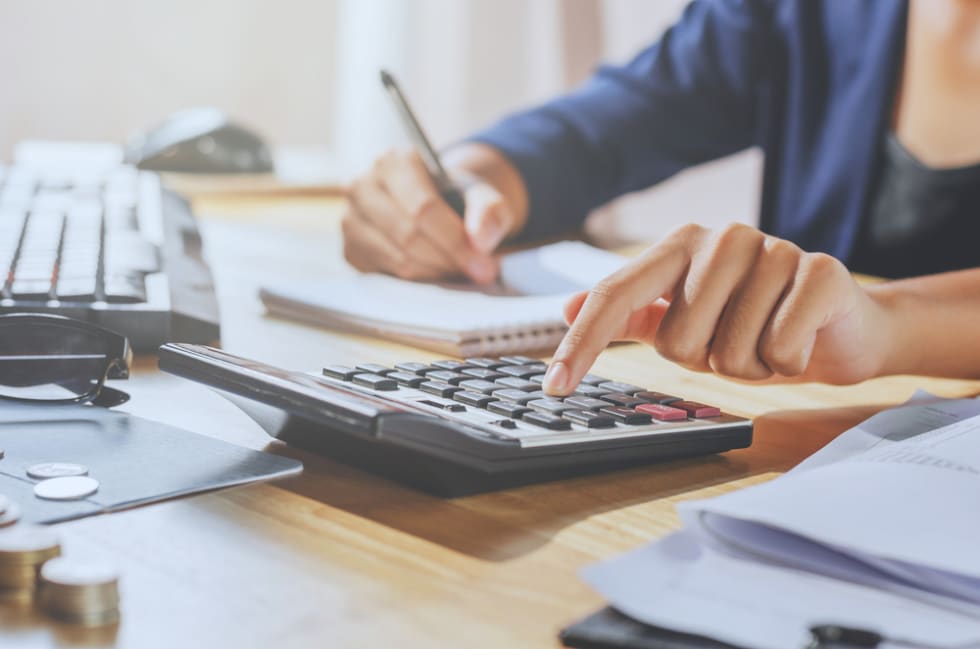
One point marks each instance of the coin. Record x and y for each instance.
(27, 542)
(47, 470)
(67, 571)
(79, 591)
(68, 488)
(10, 515)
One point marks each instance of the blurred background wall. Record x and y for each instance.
(304, 73)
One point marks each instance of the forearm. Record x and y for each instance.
(935, 324)
(494, 168)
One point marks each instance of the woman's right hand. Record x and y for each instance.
(396, 221)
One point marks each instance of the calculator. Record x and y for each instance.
(461, 426)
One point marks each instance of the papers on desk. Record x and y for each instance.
(877, 531)
(523, 313)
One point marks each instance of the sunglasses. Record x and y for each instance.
(54, 359)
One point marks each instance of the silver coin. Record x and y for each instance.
(68, 571)
(68, 488)
(10, 515)
(47, 470)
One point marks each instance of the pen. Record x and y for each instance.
(450, 192)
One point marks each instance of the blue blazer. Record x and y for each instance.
(811, 82)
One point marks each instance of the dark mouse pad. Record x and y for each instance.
(136, 461)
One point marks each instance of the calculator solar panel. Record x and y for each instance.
(454, 427)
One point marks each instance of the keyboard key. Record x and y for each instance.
(413, 368)
(626, 415)
(452, 365)
(518, 396)
(518, 360)
(520, 371)
(373, 368)
(662, 412)
(446, 375)
(486, 363)
(554, 406)
(482, 373)
(508, 408)
(545, 420)
(621, 399)
(376, 382)
(479, 385)
(697, 410)
(519, 383)
(440, 388)
(586, 403)
(589, 418)
(477, 399)
(625, 388)
(341, 372)
(585, 390)
(656, 397)
(407, 379)
(592, 379)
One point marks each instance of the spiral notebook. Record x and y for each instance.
(521, 313)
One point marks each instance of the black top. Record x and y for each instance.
(921, 220)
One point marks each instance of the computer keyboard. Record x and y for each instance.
(460, 426)
(110, 246)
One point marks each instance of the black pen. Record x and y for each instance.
(447, 188)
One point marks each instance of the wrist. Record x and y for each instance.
(903, 349)
(490, 166)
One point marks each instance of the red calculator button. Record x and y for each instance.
(661, 412)
(697, 410)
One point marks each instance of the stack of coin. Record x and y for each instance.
(79, 592)
(23, 549)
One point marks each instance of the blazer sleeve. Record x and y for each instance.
(688, 98)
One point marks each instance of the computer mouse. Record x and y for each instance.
(200, 141)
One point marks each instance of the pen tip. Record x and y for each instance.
(385, 77)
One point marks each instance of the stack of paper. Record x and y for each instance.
(878, 531)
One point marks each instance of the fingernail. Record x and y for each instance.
(480, 268)
(556, 379)
(490, 234)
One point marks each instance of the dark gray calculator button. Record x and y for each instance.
(586, 403)
(616, 386)
(509, 408)
(486, 363)
(451, 365)
(509, 424)
(520, 371)
(479, 385)
(589, 418)
(626, 415)
(376, 382)
(657, 397)
(620, 399)
(518, 396)
(477, 399)
(373, 368)
(553, 406)
(451, 407)
(440, 388)
(537, 378)
(518, 360)
(546, 420)
(585, 390)
(518, 383)
(447, 376)
(407, 379)
(592, 379)
(413, 368)
(341, 372)
(482, 373)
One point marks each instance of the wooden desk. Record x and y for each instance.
(339, 558)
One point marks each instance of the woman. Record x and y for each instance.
(869, 117)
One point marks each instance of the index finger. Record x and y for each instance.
(607, 307)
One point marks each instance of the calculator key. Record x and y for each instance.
(626, 415)
(518, 396)
(486, 363)
(376, 382)
(620, 399)
(585, 390)
(509, 408)
(451, 365)
(509, 424)
(440, 388)
(656, 397)
(413, 368)
(592, 379)
(518, 360)
(537, 378)
(589, 418)
(518, 383)
(482, 373)
(662, 412)
(446, 376)
(374, 368)
(697, 410)
(407, 379)
(554, 406)
(545, 420)
(451, 407)
(625, 388)
(341, 372)
(479, 385)
(477, 399)
(520, 371)
(586, 403)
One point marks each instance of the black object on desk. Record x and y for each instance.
(609, 629)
